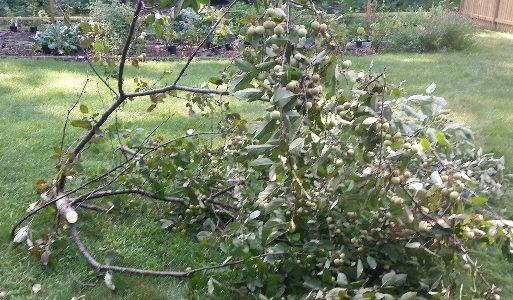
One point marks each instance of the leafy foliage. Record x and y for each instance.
(423, 32)
(58, 37)
(108, 25)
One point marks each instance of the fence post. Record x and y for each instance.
(51, 10)
(495, 13)
(447, 4)
(368, 9)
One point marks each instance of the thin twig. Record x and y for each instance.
(191, 57)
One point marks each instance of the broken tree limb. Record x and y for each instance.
(102, 267)
(65, 210)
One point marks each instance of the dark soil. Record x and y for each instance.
(20, 44)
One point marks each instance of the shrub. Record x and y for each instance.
(423, 32)
(110, 23)
(60, 38)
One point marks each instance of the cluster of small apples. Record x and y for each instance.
(398, 177)
(472, 232)
(453, 185)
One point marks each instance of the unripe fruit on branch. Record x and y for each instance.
(262, 75)
(316, 77)
(302, 32)
(315, 25)
(275, 115)
(445, 192)
(323, 27)
(315, 91)
(269, 24)
(470, 234)
(347, 64)
(260, 30)
(292, 86)
(395, 180)
(467, 268)
(251, 30)
(425, 226)
(454, 195)
(278, 30)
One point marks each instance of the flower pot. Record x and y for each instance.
(13, 28)
(33, 29)
(359, 44)
(46, 49)
(228, 47)
(171, 49)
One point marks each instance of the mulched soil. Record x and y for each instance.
(19, 44)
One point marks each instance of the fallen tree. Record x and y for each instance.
(345, 187)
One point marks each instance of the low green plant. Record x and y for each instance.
(110, 23)
(59, 38)
(423, 31)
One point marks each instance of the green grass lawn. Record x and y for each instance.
(34, 98)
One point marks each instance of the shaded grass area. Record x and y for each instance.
(34, 98)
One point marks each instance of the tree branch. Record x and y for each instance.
(175, 87)
(127, 47)
(214, 27)
(101, 267)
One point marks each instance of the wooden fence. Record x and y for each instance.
(495, 13)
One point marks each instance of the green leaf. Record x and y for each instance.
(254, 215)
(249, 94)
(372, 262)
(359, 268)
(266, 192)
(296, 145)
(204, 236)
(282, 96)
(245, 66)
(108, 281)
(261, 161)
(210, 285)
(319, 57)
(477, 200)
(440, 137)
(81, 124)
(425, 144)
(342, 279)
(84, 109)
(21, 235)
(312, 283)
(409, 296)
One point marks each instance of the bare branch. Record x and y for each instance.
(176, 88)
(148, 194)
(101, 267)
(127, 47)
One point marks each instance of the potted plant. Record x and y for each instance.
(360, 31)
(15, 24)
(169, 36)
(43, 18)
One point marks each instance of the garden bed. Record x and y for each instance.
(19, 44)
